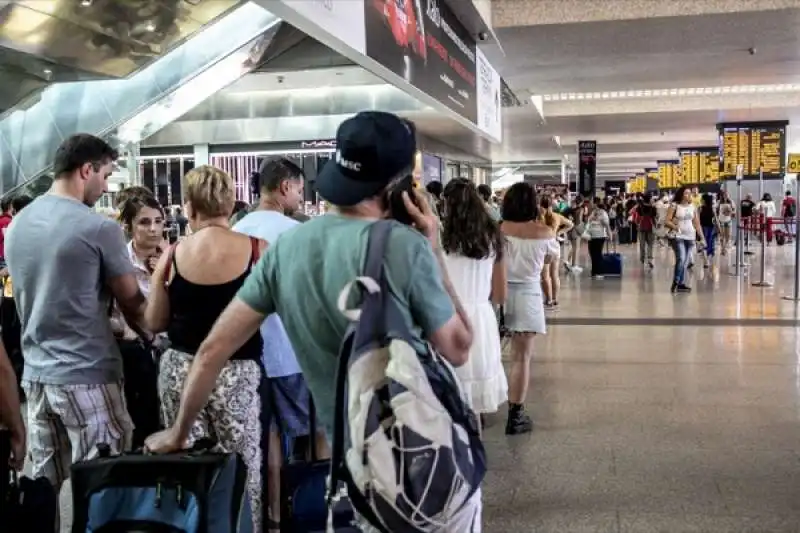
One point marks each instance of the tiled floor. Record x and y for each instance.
(645, 426)
(644, 294)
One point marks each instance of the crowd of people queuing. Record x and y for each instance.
(133, 341)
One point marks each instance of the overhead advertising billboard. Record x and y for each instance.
(431, 168)
(424, 43)
(490, 117)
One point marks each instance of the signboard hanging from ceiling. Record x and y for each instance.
(490, 118)
(426, 45)
(587, 168)
(756, 146)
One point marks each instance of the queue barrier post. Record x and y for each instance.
(738, 262)
(764, 230)
(795, 296)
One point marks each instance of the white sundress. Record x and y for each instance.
(482, 376)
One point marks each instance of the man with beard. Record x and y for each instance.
(67, 263)
(288, 400)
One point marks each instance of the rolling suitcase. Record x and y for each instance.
(193, 491)
(612, 265)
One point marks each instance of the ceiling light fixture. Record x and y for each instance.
(681, 91)
(86, 3)
(150, 27)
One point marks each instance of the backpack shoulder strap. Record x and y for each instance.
(377, 244)
(255, 250)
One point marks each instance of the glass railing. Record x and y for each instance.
(29, 136)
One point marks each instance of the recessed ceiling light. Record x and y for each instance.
(47, 72)
(150, 27)
(86, 3)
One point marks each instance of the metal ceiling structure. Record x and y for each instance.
(49, 41)
(642, 85)
(230, 47)
(310, 104)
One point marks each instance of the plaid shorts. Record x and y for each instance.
(67, 422)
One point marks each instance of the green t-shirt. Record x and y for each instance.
(301, 275)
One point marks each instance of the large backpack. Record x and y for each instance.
(405, 443)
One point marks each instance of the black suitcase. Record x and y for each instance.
(192, 491)
(26, 505)
(303, 494)
(140, 370)
(625, 234)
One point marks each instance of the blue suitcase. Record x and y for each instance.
(612, 265)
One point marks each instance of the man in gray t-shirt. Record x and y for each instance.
(66, 264)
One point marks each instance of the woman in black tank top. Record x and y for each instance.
(192, 285)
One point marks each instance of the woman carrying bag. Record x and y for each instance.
(684, 229)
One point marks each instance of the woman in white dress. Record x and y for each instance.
(474, 246)
(531, 245)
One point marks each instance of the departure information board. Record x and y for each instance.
(668, 174)
(699, 165)
(754, 145)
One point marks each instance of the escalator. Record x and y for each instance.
(136, 54)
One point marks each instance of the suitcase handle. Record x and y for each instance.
(201, 446)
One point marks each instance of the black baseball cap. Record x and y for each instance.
(372, 148)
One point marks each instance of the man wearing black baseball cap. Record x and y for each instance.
(373, 149)
(301, 274)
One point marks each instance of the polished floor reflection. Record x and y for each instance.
(657, 428)
(643, 294)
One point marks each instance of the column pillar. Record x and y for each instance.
(132, 163)
(201, 155)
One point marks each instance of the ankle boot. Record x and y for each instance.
(518, 422)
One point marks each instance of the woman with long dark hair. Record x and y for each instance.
(531, 246)
(684, 225)
(474, 246)
(142, 218)
(710, 226)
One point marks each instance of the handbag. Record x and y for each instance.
(26, 505)
(501, 321)
(304, 484)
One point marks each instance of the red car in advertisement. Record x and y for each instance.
(404, 17)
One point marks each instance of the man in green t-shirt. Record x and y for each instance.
(301, 275)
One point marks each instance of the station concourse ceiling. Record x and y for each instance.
(641, 77)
